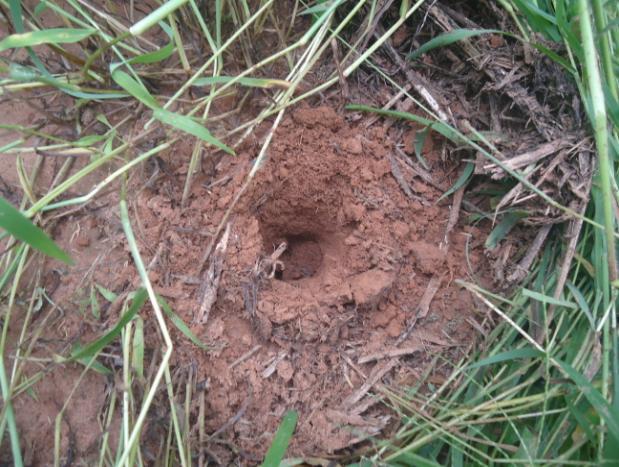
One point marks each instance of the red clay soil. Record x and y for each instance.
(304, 330)
(359, 257)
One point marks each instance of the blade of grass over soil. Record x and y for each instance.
(280, 442)
(20, 227)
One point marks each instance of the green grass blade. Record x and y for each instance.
(462, 180)
(439, 127)
(96, 366)
(420, 139)
(10, 414)
(153, 57)
(540, 297)
(18, 225)
(16, 15)
(189, 125)
(135, 88)
(539, 19)
(180, 324)
(410, 458)
(30, 75)
(156, 55)
(609, 413)
(180, 122)
(137, 354)
(555, 57)
(106, 293)
(516, 354)
(265, 83)
(449, 38)
(276, 452)
(503, 228)
(96, 346)
(45, 36)
(581, 301)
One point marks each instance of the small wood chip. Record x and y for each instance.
(369, 401)
(376, 375)
(270, 369)
(454, 214)
(397, 174)
(390, 353)
(524, 266)
(428, 296)
(212, 277)
(245, 356)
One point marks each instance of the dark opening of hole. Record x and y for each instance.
(302, 258)
(279, 274)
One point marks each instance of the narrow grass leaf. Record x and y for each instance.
(106, 293)
(609, 413)
(135, 88)
(318, 20)
(189, 125)
(96, 366)
(448, 38)
(156, 55)
(96, 346)
(516, 354)
(265, 83)
(410, 458)
(18, 225)
(566, 29)
(462, 180)
(320, 7)
(503, 228)
(180, 122)
(137, 354)
(94, 304)
(540, 297)
(45, 36)
(581, 301)
(581, 418)
(420, 139)
(46, 77)
(439, 127)
(30, 75)
(179, 323)
(89, 140)
(40, 8)
(276, 452)
(539, 19)
(527, 448)
(555, 57)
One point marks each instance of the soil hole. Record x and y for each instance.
(302, 258)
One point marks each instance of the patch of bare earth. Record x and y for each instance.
(338, 277)
(333, 281)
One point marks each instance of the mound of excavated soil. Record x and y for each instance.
(327, 263)
(334, 281)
